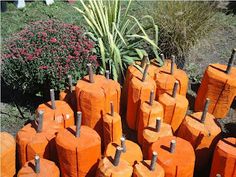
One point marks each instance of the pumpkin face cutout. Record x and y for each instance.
(79, 150)
(7, 154)
(219, 85)
(39, 167)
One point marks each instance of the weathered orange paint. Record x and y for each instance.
(175, 109)
(30, 142)
(63, 114)
(219, 87)
(47, 169)
(78, 156)
(147, 116)
(224, 159)
(177, 164)
(150, 135)
(132, 155)
(7, 155)
(202, 136)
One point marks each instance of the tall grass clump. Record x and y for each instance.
(181, 24)
(120, 36)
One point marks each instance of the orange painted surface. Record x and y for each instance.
(224, 160)
(132, 155)
(177, 164)
(112, 128)
(29, 142)
(147, 116)
(58, 115)
(93, 100)
(167, 65)
(69, 97)
(150, 136)
(203, 137)
(78, 156)
(219, 87)
(141, 169)
(7, 155)
(47, 169)
(175, 109)
(165, 82)
(107, 169)
(138, 93)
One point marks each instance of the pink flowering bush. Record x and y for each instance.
(42, 55)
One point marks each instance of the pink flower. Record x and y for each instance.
(43, 67)
(29, 57)
(53, 40)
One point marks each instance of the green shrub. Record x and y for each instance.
(42, 55)
(120, 37)
(181, 24)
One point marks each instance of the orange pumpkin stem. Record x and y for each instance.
(145, 72)
(112, 109)
(172, 64)
(158, 124)
(175, 89)
(107, 73)
(90, 71)
(151, 98)
(172, 146)
(153, 161)
(117, 156)
(52, 96)
(122, 139)
(204, 113)
(40, 121)
(37, 164)
(78, 124)
(231, 60)
(144, 60)
(70, 83)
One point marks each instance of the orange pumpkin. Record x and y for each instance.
(148, 113)
(37, 138)
(39, 168)
(79, 150)
(148, 168)
(58, 111)
(7, 155)
(131, 151)
(68, 95)
(175, 108)
(112, 127)
(224, 158)
(219, 85)
(114, 167)
(152, 133)
(139, 91)
(165, 80)
(175, 155)
(201, 130)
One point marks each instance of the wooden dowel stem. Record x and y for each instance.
(40, 121)
(70, 83)
(37, 164)
(107, 74)
(151, 98)
(52, 96)
(145, 72)
(117, 156)
(144, 61)
(172, 64)
(205, 109)
(158, 124)
(153, 161)
(174, 93)
(172, 146)
(230, 62)
(162, 57)
(78, 124)
(90, 71)
(122, 139)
